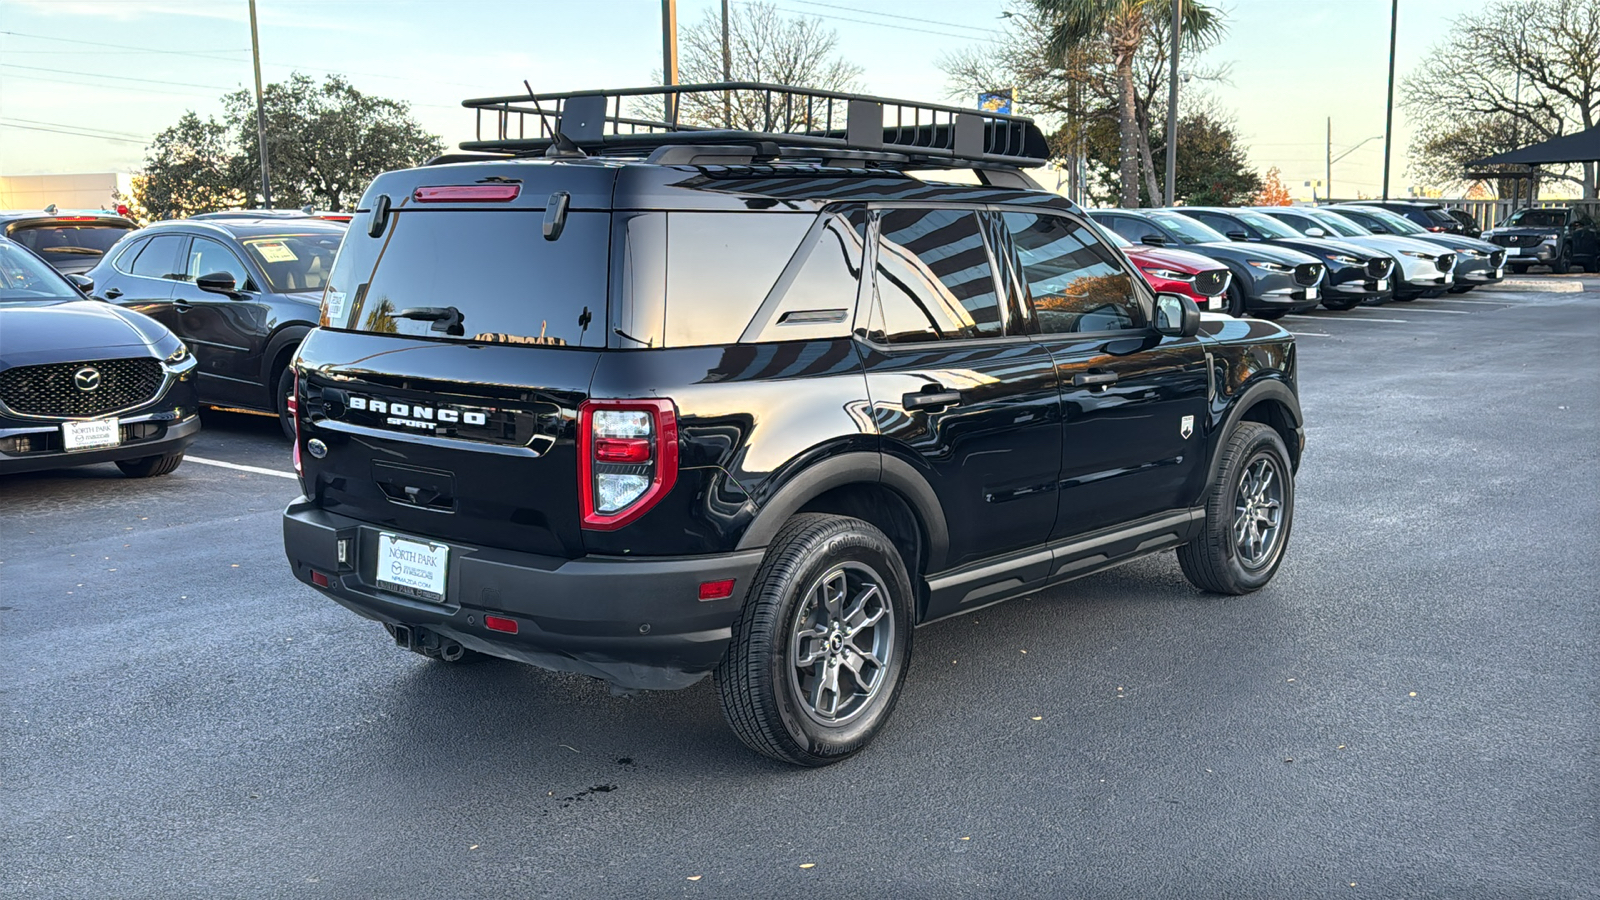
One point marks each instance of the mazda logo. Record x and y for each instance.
(86, 378)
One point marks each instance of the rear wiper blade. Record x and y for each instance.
(446, 319)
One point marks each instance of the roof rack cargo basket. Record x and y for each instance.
(787, 120)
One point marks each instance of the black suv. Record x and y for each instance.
(1428, 216)
(1554, 237)
(72, 241)
(241, 291)
(648, 407)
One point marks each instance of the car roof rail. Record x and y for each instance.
(762, 120)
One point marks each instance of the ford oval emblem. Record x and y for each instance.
(316, 448)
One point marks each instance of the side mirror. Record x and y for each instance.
(1238, 236)
(216, 283)
(1378, 229)
(1314, 231)
(1177, 316)
(1154, 240)
(84, 282)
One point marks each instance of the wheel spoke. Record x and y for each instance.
(825, 693)
(858, 660)
(805, 656)
(833, 593)
(857, 617)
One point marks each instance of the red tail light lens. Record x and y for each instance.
(627, 459)
(467, 193)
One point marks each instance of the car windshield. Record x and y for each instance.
(1396, 223)
(24, 279)
(69, 242)
(1338, 224)
(294, 263)
(1189, 230)
(1538, 218)
(1267, 225)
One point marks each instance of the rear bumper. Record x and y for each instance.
(635, 622)
(173, 433)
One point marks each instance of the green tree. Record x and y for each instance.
(1510, 75)
(1212, 166)
(1122, 27)
(188, 170)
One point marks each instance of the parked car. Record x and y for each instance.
(1268, 282)
(304, 213)
(1200, 278)
(1477, 262)
(72, 240)
(1558, 238)
(1352, 275)
(1469, 225)
(1427, 215)
(84, 382)
(1419, 267)
(658, 407)
(241, 292)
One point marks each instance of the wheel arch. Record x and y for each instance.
(282, 343)
(1270, 402)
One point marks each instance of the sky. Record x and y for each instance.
(85, 84)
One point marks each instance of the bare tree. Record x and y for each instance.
(767, 46)
(1511, 75)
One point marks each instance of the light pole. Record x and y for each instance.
(261, 112)
(1172, 106)
(1388, 115)
(727, 69)
(669, 54)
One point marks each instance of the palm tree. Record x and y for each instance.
(1123, 25)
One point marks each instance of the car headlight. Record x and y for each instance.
(1170, 275)
(1468, 251)
(178, 355)
(1418, 254)
(1269, 265)
(1551, 237)
(1346, 260)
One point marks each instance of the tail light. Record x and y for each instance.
(627, 459)
(292, 404)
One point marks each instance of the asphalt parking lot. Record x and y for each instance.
(1408, 710)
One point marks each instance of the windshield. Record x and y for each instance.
(23, 278)
(1538, 218)
(1267, 225)
(1396, 223)
(69, 242)
(294, 263)
(1338, 224)
(1189, 230)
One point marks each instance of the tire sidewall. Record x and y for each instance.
(848, 544)
(1265, 442)
(282, 386)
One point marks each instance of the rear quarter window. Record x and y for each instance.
(720, 267)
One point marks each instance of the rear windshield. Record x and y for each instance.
(294, 263)
(475, 276)
(69, 242)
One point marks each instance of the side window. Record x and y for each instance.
(1298, 223)
(1074, 281)
(720, 266)
(933, 280)
(159, 258)
(123, 262)
(1220, 223)
(208, 257)
(815, 299)
(1134, 230)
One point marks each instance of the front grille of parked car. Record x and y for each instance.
(1444, 261)
(1496, 258)
(1308, 274)
(1210, 284)
(1378, 267)
(1517, 240)
(52, 389)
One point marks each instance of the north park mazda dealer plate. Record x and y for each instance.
(90, 435)
(414, 568)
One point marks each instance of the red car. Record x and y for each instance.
(1200, 278)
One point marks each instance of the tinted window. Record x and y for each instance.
(720, 266)
(295, 263)
(1073, 280)
(123, 261)
(208, 257)
(1212, 220)
(1267, 225)
(1189, 231)
(933, 278)
(23, 277)
(1299, 223)
(63, 243)
(816, 298)
(508, 283)
(159, 257)
(1338, 224)
(1440, 217)
(1135, 230)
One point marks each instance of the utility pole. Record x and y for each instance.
(1327, 175)
(669, 54)
(727, 70)
(1172, 106)
(1388, 116)
(261, 111)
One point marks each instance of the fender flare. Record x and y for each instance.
(287, 336)
(1262, 391)
(854, 468)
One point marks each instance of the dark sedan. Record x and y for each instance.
(1268, 282)
(1477, 262)
(241, 292)
(1354, 274)
(84, 382)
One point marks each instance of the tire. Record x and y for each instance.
(1562, 264)
(1462, 288)
(281, 401)
(1216, 561)
(1519, 269)
(1235, 299)
(1406, 298)
(150, 466)
(1593, 265)
(1342, 304)
(813, 569)
(1271, 314)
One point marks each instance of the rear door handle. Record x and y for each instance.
(113, 294)
(182, 307)
(1094, 379)
(933, 398)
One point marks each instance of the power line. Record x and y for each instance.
(991, 31)
(802, 12)
(91, 84)
(126, 134)
(113, 77)
(102, 137)
(46, 37)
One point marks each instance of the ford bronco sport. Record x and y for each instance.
(645, 401)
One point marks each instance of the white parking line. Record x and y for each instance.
(228, 465)
(1344, 319)
(1464, 300)
(1439, 312)
(1309, 334)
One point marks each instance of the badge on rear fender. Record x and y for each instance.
(1186, 427)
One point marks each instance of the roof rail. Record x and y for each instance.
(794, 120)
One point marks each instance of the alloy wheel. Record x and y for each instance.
(1258, 513)
(840, 644)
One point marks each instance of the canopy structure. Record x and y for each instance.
(1569, 148)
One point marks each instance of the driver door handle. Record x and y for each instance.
(1094, 378)
(933, 398)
